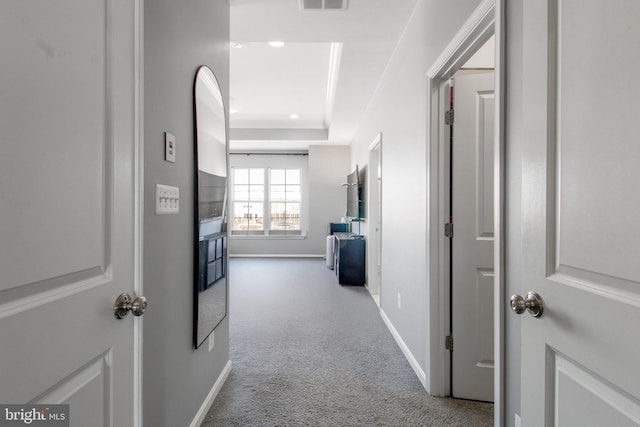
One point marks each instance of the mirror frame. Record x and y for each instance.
(202, 243)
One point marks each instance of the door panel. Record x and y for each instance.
(53, 114)
(88, 391)
(482, 350)
(580, 398)
(583, 64)
(68, 235)
(485, 107)
(580, 207)
(472, 244)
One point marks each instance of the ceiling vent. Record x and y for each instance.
(323, 4)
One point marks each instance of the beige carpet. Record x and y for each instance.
(308, 352)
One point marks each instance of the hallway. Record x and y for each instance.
(307, 351)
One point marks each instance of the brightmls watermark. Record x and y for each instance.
(34, 415)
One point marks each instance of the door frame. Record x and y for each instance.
(374, 185)
(485, 21)
(138, 174)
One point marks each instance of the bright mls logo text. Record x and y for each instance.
(38, 415)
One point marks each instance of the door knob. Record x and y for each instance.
(532, 303)
(124, 305)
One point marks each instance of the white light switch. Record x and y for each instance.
(167, 199)
(169, 147)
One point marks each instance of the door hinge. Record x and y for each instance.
(448, 117)
(448, 342)
(448, 229)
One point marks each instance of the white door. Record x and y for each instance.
(581, 207)
(68, 195)
(472, 243)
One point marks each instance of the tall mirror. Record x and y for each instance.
(210, 270)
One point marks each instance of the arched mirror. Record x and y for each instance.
(210, 270)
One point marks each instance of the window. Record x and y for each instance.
(285, 197)
(271, 194)
(248, 201)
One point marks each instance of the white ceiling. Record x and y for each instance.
(260, 72)
(326, 72)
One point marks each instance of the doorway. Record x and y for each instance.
(479, 28)
(374, 252)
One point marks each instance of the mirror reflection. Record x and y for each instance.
(210, 304)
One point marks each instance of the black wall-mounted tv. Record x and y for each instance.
(354, 199)
(212, 199)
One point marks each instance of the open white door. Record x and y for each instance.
(69, 235)
(472, 274)
(581, 205)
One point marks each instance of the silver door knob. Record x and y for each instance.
(124, 305)
(532, 303)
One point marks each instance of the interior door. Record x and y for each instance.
(472, 243)
(581, 204)
(68, 195)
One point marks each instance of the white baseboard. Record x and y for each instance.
(376, 297)
(407, 353)
(275, 256)
(208, 401)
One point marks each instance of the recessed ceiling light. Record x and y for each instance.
(236, 45)
(276, 44)
(294, 116)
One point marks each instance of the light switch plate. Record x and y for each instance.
(167, 199)
(169, 147)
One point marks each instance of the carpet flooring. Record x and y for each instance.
(308, 352)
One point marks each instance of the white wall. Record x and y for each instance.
(179, 37)
(398, 110)
(327, 167)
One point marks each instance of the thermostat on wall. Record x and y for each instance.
(169, 147)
